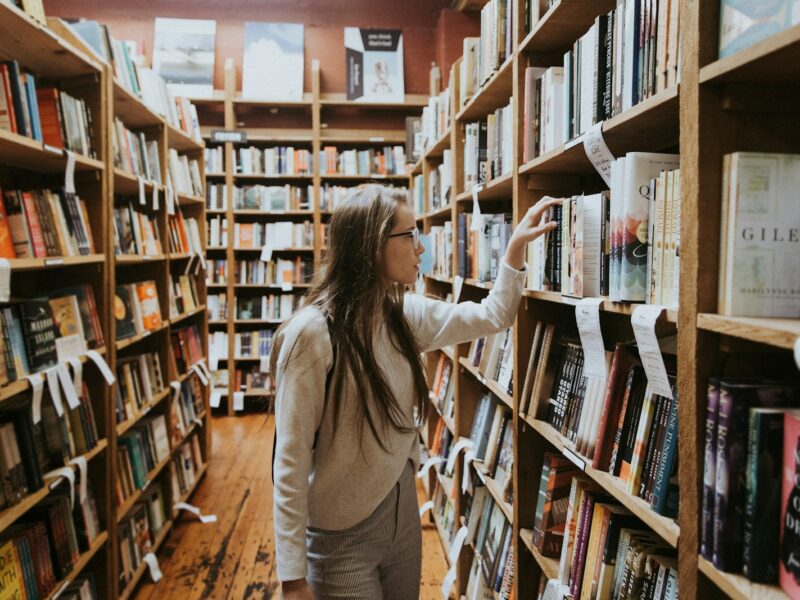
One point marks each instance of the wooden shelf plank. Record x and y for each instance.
(188, 494)
(483, 285)
(270, 286)
(180, 141)
(363, 136)
(775, 59)
(563, 23)
(274, 250)
(264, 177)
(246, 103)
(132, 111)
(492, 386)
(494, 94)
(443, 538)
(125, 507)
(79, 565)
(138, 259)
(187, 315)
(336, 100)
(123, 427)
(377, 177)
(272, 213)
(439, 279)
(499, 188)
(439, 146)
(621, 308)
(494, 489)
(189, 200)
(127, 183)
(665, 527)
(649, 126)
(549, 566)
(35, 264)
(26, 153)
(124, 343)
(782, 333)
(737, 587)
(140, 570)
(447, 421)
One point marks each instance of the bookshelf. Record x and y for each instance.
(316, 121)
(718, 106)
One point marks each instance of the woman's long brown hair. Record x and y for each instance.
(348, 290)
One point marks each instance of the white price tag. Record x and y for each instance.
(447, 584)
(101, 364)
(458, 544)
(83, 471)
(458, 283)
(68, 386)
(37, 385)
(425, 507)
(463, 443)
(587, 314)
(196, 511)
(598, 153)
(215, 398)
(431, 462)
(77, 373)
(188, 268)
(466, 480)
(170, 200)
(266, 253)
(644, 328)
(142, 194)
(155, 197)
(69, 173)
(55, 390)
(200, 375)
(477, 219)
(264, 364)
(238, 401)
(204, 367)
(286, 286)
(68, 474)
(5, 280)
(152, 563)
(176, 387)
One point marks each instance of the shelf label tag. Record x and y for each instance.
(83, 469)
(142, 194)
(69, 173)
(5, 280)
(458, 283)
(597, 152)
(462, 444)
(238, 401)
(431, 462)
(286, 286)
(55, 390)
(264, 363)
(425, 508)
(644, 328)
(458, 544)
(266, 253)
(155, 196)
(477, 219)
(68, 385)
(200, 375)
(448, 582)
(466, 480)
(177, 387)
(170, 200)
(195, 511)
(587, 314)
(37, 384)
(77, 373)
(101, 363)
(68, 474)
(215, 398)
(152, 563)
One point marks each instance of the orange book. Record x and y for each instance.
(6, 241)
(148, 304)
(50, 117)
(246, 235)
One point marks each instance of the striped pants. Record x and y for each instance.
(380, 558)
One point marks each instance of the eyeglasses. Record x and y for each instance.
(413, 234)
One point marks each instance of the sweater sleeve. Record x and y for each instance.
(303, 362)
(437, 324)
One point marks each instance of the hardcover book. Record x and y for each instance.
(374, 64)
(40, 333)
(789, 568)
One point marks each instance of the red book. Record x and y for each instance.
(50, 117)
(6, 241)
(789, 576)
(34, 226)
(612, 405)
(8, 119)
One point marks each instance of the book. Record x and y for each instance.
(789, 567)
(374, 65)
(747, 22)
(183, 54)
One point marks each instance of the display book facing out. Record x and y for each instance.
(742, 243)
(268, 204)
(130, 225)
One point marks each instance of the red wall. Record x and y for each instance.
(324, 22)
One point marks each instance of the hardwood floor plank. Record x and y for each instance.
(234, 558)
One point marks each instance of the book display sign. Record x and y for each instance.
(183, 54)
(272, 68)
(374, 63)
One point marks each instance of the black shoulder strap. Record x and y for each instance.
(328, 379)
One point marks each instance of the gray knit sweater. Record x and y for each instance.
(336, 484)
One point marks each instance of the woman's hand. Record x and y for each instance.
(297, 589)
(530, 227)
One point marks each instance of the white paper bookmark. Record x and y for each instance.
(463, 443)
(68, 474)
(266, 253)
(238, 401)
(155, 196)
(458, 544)
(142, 194)
(170, 200)
(69, 173)
(196, 511)
(37, 385)
(200, 375)
(5, 280)
(458, 283)
(448, 582)
(425, 508)
(555, 590)
(597, 152)
(202, 364)
(101, 363)
(152, 563)
(215, 398)
(587, 314)
(286, 286)
(68, 386)
(797, 352)
(264, 363)
(55, 390)
(431, 462)
(177, 390)
(644, 328)
(466, 480)
(83, 484)
(77, 373)
(477, 219)
(188, 267)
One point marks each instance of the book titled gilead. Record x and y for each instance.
(374, 64)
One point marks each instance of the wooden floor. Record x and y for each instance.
(233, 559)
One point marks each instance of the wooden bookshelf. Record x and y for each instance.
(738, 587)
(160, 537)
(549, 566)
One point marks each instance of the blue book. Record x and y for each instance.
(33, 107)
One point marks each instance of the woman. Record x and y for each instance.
(349, 380)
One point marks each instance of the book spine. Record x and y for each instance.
(709, 471)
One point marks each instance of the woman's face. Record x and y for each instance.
(399, 260)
